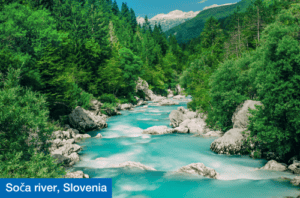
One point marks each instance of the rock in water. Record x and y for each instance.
(273, 165)
(200, 169)
(167, 102)
(230, 143)
(77, 174)
(296, 181)
(181, 130)
(240, 116)
(294, 168)
(130, 164)
(176, 117)
(179, 97)
(158, 130)
(213, 134)
(98, 135)
(84, 120)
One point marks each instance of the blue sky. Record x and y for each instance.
(154, 7)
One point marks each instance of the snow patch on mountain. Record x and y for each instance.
(215, 5)
(167, 21)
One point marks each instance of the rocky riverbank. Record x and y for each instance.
(64, 148)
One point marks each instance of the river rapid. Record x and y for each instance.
(123, 141)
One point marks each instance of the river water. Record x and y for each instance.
(123, 141)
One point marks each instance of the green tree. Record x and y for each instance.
(24, 132)
(277, 78)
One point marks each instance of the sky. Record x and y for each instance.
(154, 7)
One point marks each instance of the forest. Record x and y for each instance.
(59, 54)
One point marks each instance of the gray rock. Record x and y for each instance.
(181, 130)
(200, 169)
(73, 132)
(58, 135)
(142, 85)
(130, 164)
(77, 174)
(158, 130)
(179, 90)
(167, 102)
(179, 97)
(273, 165)
(197, 126)
(70, 141)
(74, 157)
(170, 93)
(84, 120)
(60, 159)
(213, 134)
(230, 143)
(294, 168)
(86, 136)
(126, 106)
(176, 117)
(57, 143)
(191, 115)
(98, 135)
(66, 134)
(296, 181)
(67, 149)
(96, 107)
(241, 114)
(158, 99)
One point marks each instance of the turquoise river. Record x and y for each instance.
(123, 141)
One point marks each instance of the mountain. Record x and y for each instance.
(169, 20)
(192, 28)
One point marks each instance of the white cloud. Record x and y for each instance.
(202, 1)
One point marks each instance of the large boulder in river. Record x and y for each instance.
(176, 117)
(230, 143)
(85, 120)
(273, 165)
(294, 168)
(241, 114)
(158, 130)
(296, 181)
(167, 102)
(179, 97)
(130, 164)
(200, 169)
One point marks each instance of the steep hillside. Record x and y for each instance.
(193, 27)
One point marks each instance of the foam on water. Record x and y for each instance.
(123, 141)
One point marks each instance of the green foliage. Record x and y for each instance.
(108, 98)
(131, 66)
(230, 86)
(25, 31)
(193, 27)
(276, 124)
(24, 131)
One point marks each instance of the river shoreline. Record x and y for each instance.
(110, 154)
